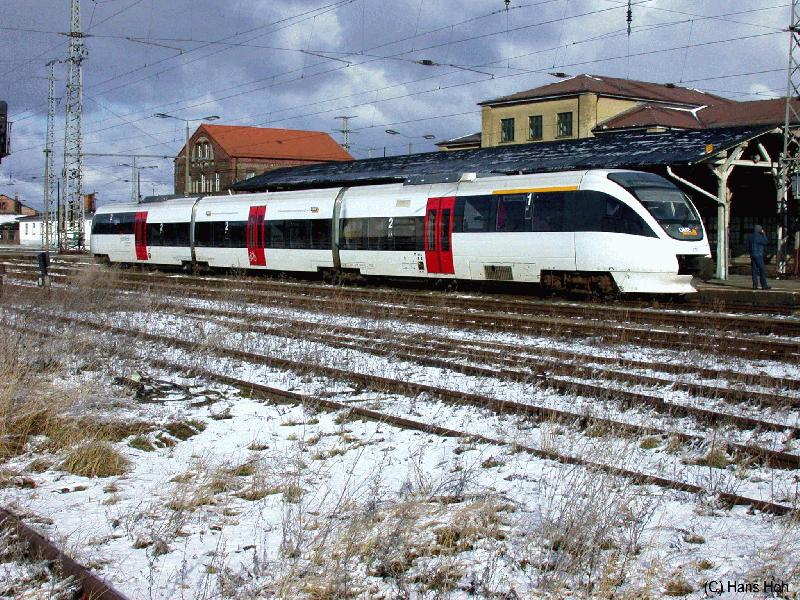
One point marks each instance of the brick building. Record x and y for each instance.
(12, 206)
(11, 209)
(222, 154)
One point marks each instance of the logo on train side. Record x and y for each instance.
(688, 230)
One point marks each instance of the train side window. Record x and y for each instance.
(477, 214)
(404, 233)
(511, 213)
(378, 233)
(548, 212)
(153, 235)
(585, 210)
(298, 233)
(353, 233)
(277, 234)
(202, 234)
(236, 234)
(321, 234)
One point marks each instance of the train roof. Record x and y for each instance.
(632, 150)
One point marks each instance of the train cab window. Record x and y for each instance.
(621, 218)
(102, 224)
(598, 211)
(477, 214)
(547, 213)
(513, 212)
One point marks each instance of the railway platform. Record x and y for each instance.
(738, 289)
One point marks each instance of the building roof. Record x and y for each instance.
(636, 150)
(464, 140)
(263, 142)
(615, 87)
(731, 114)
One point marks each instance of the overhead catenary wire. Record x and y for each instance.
(337, 108)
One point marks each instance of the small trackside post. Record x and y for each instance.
(44, 264)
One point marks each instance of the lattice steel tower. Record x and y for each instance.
(49, 160)
(790, 158)
(72, 234)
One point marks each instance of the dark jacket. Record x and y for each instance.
(757, 243)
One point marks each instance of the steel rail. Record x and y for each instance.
(284, 395)
(41, 548)
(722, 344)
(383, 384)
(677, 316)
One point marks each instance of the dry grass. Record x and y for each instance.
(95, 459)
(46, 406)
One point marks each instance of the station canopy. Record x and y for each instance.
(617, 151)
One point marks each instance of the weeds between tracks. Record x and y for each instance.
(316, 491)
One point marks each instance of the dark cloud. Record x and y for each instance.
(298, 64)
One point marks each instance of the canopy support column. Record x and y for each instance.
(722, 169)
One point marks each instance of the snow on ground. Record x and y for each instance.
(227, 495)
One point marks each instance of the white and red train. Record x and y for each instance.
(615, 230)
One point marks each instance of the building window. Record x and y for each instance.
(564, 125)
(250, 175)
(506, 130)
(203, 182)
(535, 127)
(216, 182)
(203, 150)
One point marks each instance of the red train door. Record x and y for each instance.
(439, 234)
(255, 236)
(140, 234)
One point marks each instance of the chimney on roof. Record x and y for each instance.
(17, 204)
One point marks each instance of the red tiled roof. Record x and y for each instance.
(756, 112)
(730, 114)
(613, 86)
(262, 142)
(652, 115)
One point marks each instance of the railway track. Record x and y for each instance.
(672, 314)
(41, 548)
(386, 385)
(751, 347)
(522, 368)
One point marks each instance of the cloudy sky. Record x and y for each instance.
(300, 64)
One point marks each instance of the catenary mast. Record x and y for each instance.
(72, 236)
(791, 145)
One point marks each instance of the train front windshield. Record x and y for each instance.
(668, 205)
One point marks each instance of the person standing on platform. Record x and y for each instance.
(756, 245)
